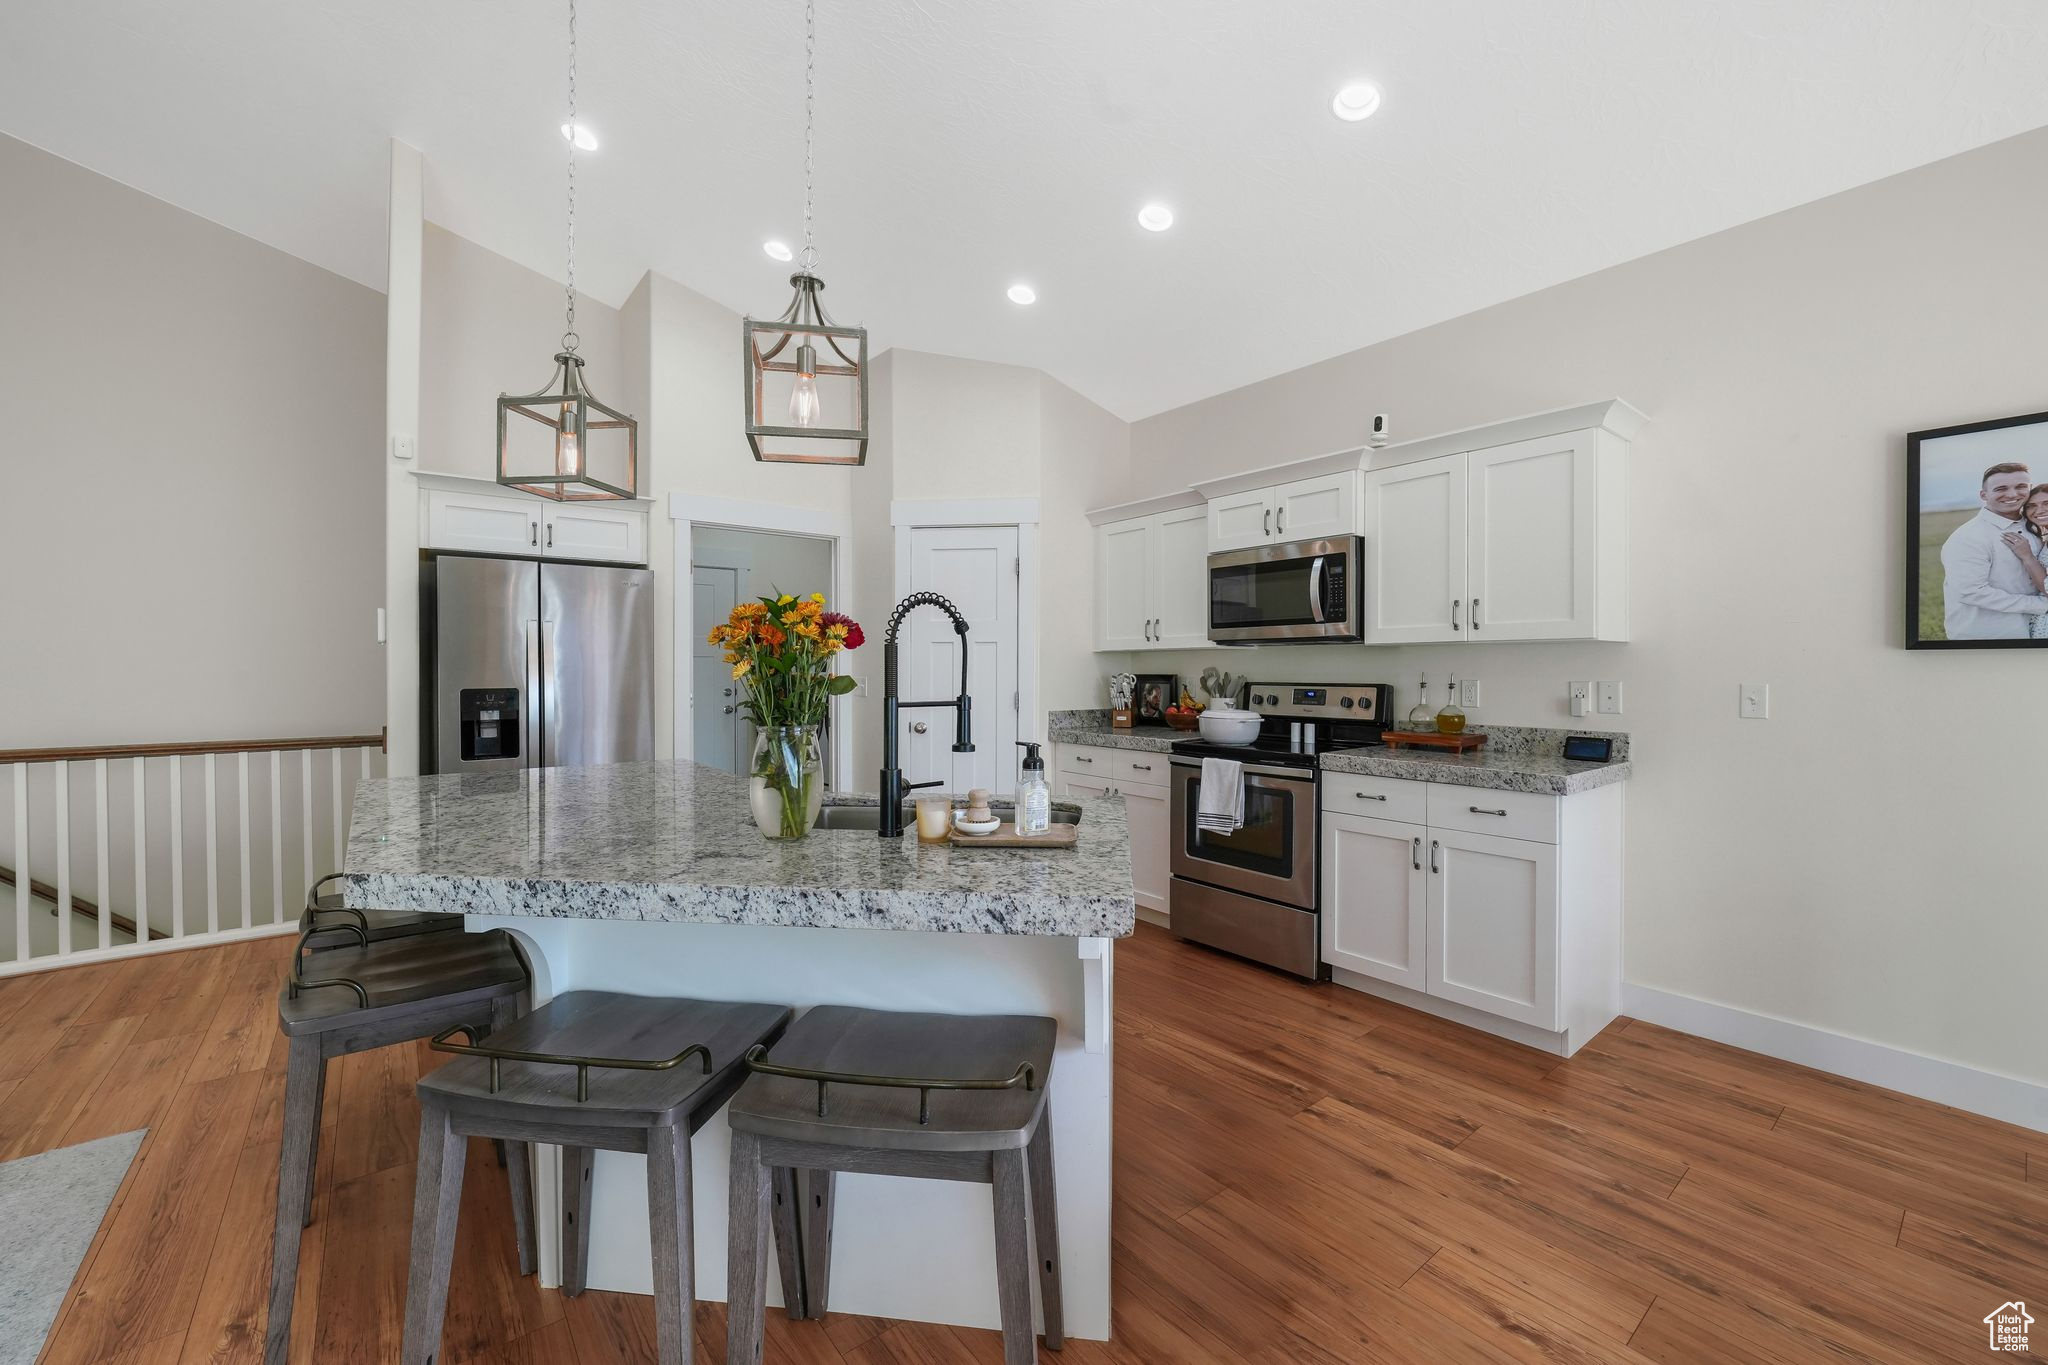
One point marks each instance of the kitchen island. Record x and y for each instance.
(651, 879)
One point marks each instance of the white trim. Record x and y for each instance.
(467, 483)
(1273, 475)
(2006, 1098)
(687, 510)
(963, 512)
(1515, 1031)
(1144, 507)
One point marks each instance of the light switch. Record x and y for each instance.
(1610, 698)
(1580, 697)
(1754, 702)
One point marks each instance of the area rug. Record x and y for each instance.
(50, 1207)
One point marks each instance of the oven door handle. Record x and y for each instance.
(1315, 589)
(1254, 770)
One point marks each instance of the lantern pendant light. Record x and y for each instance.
(806, 376)
(590, 451)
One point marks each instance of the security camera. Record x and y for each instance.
(1379, 430)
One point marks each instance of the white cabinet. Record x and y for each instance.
(1522, 541)
(1305, 509)
(485, 520)
(1373, 921)
(1493, 925)
(1415, 552)
(1152, 581)
(480, 523)
(1518, 935)
(1140, 779)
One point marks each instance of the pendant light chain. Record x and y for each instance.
(569, 337)
(809, 260)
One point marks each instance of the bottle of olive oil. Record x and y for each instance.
(1451, 720)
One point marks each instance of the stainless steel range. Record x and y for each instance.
(1255, 892)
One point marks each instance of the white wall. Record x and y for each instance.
(1866, 861)
(191, 475)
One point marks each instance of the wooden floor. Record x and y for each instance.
(1303, 1175)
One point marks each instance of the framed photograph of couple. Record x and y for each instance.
(1977, 535)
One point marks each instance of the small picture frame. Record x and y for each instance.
(1152, 695)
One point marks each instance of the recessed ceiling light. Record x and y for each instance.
(1155, 218)
(580, 134)
(778, 250)
(1358, 100)
(1023, 293)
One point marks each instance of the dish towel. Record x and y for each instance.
(1221, 808)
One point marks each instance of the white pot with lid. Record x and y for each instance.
(1228, 725)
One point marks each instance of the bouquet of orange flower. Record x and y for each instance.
(781, 649)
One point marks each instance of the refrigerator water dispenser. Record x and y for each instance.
(489, 723)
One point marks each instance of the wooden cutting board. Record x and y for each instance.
(1460, 743)
(1059, 836)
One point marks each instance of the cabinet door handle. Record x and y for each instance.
(1475, 615)
(1280, 520)
(1269, 522)
(1476, 810)
(1433, 845)
(1365, 796)
(1417, 853)
(551, 535)
(1455, 604)
(533, 533)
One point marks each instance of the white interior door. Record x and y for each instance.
(717, 728)
(974, 568)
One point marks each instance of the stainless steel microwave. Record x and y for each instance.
(1304, 591)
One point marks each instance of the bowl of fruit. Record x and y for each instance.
(1185, 714)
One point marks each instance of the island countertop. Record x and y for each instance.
(675, 842)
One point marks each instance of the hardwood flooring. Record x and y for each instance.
(1304, 1174)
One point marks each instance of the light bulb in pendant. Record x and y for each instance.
(803, 396)
(568, 459)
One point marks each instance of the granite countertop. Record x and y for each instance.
(1150, 740)
(675, 842)
(1506, 770)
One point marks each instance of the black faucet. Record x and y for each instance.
(893, 786)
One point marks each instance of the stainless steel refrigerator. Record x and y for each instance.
(533, 665)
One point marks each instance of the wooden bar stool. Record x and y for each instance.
(351, 999)
(335, 925)
(589, 1070)
(937, 1096)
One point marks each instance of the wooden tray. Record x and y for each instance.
(1059, 836)
(1461, 743)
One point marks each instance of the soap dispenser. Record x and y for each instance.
(1034, 798)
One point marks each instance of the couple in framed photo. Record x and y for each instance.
(1977, 532)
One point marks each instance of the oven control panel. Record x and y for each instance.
(1321, 701)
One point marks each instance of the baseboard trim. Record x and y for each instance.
(2006, 1098)
(1154, 915)
(86, 957)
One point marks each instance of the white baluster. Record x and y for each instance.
(99, 801)
(212, 852)
(63, 775)
(242, 785)
(306, 817)
(276, 837)
(141, 850)
(177, 847)
(21, 874)
(334, 757)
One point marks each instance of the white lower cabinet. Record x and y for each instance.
(1084, 770)
(1375, 924)
(1517, 935)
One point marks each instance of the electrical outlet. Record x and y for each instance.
(1580, 697)
(1468, 692)
(1754, 701)
(1610, 698)
(380, 625)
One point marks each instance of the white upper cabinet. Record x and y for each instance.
(1306, 509)
(1123, 572)
(480, 518)
(1415, 552)
(1240, 520)
(1180, 565)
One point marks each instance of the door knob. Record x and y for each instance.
(917, 727)
(730, 709)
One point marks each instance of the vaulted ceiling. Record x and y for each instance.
(966, 145)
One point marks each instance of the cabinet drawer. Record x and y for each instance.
(1514, 815)
(1381, 798)
(1142, 768)
(1084, 761)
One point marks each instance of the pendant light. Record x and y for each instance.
(807, 376)
(589, 451)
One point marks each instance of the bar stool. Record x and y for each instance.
(351, 999)
(335, 925)
(588, 1070)
(980, 1113)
